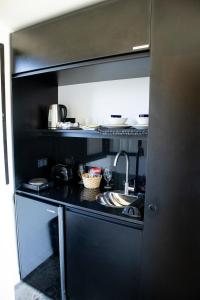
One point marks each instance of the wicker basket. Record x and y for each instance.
(91, 182)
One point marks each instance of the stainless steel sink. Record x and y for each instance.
(116, 199)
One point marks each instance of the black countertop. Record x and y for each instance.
(78, 197)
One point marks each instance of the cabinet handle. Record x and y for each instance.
(141, 47)
(51, 211)
(152, 207)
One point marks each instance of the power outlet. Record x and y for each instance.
(45, 162)
(42, 162)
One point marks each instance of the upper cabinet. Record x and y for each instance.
(106, 29)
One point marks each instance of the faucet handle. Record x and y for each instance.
(132, 188)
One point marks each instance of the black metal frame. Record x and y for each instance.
(3, 107)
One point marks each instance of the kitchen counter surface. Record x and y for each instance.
(76, 197)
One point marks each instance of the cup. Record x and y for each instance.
(143, 119)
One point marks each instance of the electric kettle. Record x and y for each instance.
(57, 113)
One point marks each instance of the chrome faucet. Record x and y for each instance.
(127, 188)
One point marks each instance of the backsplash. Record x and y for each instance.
(101, 153)
(94, 102)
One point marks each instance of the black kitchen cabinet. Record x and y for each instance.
(32, 96)
(102, 258)
(40, 246)
(102, 261)
(110, 28)
(171, 260)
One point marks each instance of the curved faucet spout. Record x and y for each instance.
(117, 157)
(127, 167)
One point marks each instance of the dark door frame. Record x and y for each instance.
(3, 107)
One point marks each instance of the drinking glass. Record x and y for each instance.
(107, 175)
(81, 169)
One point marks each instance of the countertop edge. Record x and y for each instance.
(137, 224)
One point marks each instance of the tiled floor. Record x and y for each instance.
(24, 291)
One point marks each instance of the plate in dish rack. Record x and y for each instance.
(140, 126)
(117, 126)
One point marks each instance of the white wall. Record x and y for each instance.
(9, 275)
(22, 13)
(94, 102)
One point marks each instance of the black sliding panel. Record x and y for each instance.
(110, 28)
(3, 107)
(171, 260)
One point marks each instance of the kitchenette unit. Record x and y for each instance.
(105, 111)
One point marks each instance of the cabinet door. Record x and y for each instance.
(103, 259)
(171, 260)
(109, 28)
(38, 245)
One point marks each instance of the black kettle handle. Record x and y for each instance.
(63, 110)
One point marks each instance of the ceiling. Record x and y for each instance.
(16, 14)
